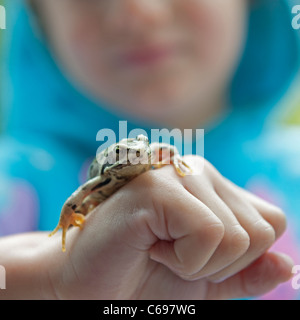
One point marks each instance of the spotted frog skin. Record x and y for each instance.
(112, 169)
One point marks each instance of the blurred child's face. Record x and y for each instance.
(161, 60)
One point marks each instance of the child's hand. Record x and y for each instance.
(163, 236)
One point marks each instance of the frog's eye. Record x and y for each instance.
(117, 150)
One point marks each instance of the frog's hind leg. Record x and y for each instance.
(68, 218)
(69, 214)
(89, 204)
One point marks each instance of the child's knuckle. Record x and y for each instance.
(239, 242)
(263, 236)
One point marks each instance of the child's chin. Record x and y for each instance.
(155, 111)
(169, 98)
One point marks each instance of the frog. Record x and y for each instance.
(110, 170)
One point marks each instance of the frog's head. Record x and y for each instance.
(130, 152)
(124, 158)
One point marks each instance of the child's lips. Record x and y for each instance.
(147, 56)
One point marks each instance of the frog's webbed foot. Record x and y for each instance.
(68, 218)
(164, 154)
(182, 168)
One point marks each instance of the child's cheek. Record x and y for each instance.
(84, 43)
(83, 35)
(218, 30)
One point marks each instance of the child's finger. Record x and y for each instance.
(195, 232)
(236, 240)
(269, 212)
(260, 231)
(260, 277)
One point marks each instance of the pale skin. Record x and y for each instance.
(161, 235)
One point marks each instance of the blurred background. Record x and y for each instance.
(2, 2)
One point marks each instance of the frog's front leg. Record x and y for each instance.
(69, 214)
(164, 154)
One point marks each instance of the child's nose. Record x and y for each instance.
(137, 15)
